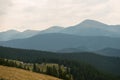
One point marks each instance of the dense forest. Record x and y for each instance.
(56, 70)
(65, 66)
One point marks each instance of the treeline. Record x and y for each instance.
(56, 70)
(102, 63)
(76, 62)
(71, 71)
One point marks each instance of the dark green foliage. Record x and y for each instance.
(107, 64)
(76, 63)
(50, 69)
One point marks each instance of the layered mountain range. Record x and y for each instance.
(85, 28)
(89, 35)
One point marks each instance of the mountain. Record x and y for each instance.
(74, 50)
(93, 28)
(54, 29)
(109, 52)
(10, 73)
(13, 34)
(105, 64)
(27, 34)
(85, 28)
(58, 41)
(8, 35)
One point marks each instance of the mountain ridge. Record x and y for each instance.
(57, 41)
(85, 28)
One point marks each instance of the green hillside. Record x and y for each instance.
(83, 66)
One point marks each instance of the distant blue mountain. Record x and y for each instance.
(85, 28)
(93, 28)
(58, 41)
(27, 34)
(109, 52)
(13, 34)
(74, 50)
(54, 29)
(8, 35)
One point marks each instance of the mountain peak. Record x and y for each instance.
(55, 27)
(31, 30)
(11, 31)
(90, 22)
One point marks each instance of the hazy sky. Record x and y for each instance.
(41, 14)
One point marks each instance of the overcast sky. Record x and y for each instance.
(41, 14)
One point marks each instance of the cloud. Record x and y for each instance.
(94, 2)
(41, 14)
(4, 5)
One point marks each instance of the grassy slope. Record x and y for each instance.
(9, 73)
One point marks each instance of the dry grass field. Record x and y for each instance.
(10, 73)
